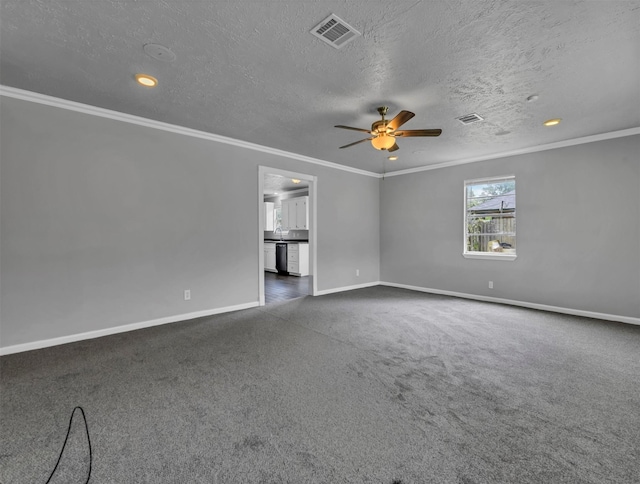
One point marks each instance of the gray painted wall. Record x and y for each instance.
(578, 236)
(105, 223)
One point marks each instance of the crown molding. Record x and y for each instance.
(38, 98)
(290, 192)
(524, 151)
(35, 97)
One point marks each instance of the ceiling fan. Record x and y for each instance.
(384, 133)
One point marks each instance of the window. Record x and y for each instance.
(490, 218)
(278, 220)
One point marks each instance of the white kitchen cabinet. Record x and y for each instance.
(269, 216)
(298, 259)
(288, 214)
(270, 257)
(284, 214)
(295, 213)
(302, 213)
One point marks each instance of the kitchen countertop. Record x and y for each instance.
(297, 241)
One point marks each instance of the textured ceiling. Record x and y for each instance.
(278, 184)
(250, 70)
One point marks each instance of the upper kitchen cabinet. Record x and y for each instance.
(269, 216)
(302, 213)
(295, 213)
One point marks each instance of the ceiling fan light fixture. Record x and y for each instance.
(383, 142)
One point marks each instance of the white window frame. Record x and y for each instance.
(477, 254)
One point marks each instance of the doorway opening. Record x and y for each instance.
(286, 234)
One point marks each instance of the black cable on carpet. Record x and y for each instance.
(86, 428)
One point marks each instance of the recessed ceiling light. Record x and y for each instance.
(146, 80)
(393, 158)
(295, 181)
(552, 122)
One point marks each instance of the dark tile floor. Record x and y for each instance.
(278, 287)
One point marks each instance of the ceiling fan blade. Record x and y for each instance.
(354, 129)
(400, 119)
(351, 144)
(417, 132)
(395, 147)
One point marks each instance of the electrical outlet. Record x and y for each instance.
(357, 272)
(490, 284)
(187, 294)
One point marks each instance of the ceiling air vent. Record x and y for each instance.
(470, 118)
(335, 31)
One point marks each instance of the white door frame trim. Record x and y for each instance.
(313, 212)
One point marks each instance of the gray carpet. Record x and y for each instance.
(366, 386)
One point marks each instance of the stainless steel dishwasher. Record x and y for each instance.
(281, 258)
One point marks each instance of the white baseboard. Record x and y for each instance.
(346, 288)
(36, 345)
(543, 307)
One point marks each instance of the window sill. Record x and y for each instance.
(495, 256)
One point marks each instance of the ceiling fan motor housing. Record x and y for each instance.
(380, 127)
(383, 139)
